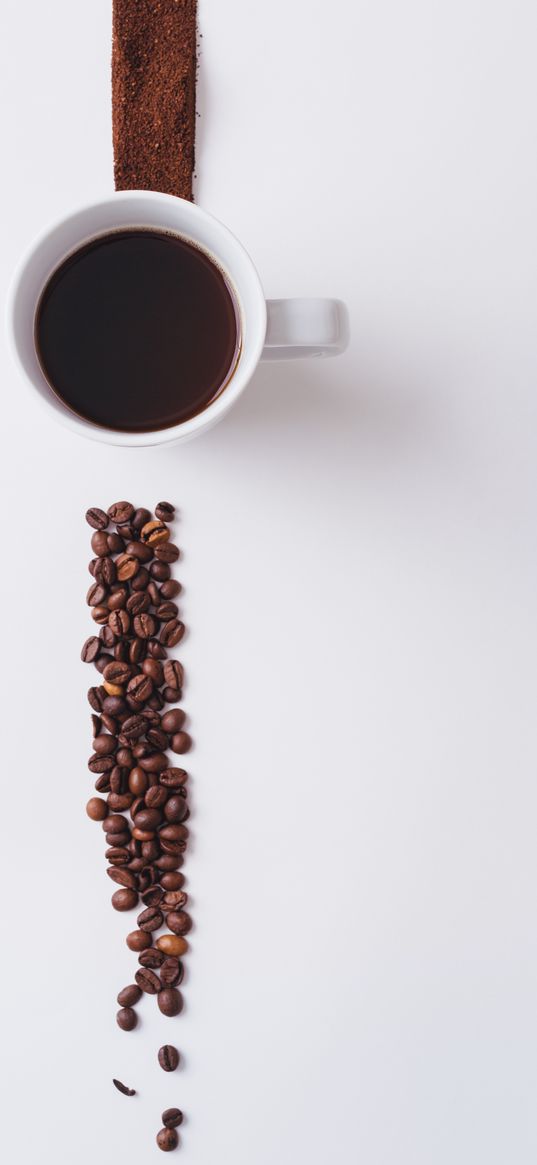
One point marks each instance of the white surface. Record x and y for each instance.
(359, 578)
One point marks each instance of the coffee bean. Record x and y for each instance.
(148, 981)
(168, 1057)
(96, 809)
(171, 972)
(172, 1118)
(126, 1019)
(145, 625)
(148, 819)
(117, 598)
(130, 995)
(153, 896)
(156, 797)
(155, 649)
(122, 877)
(173, 778)
(120, 512)
(97, 518)
(100, 764)
(95, 699)
(170, 1001)
(118, 839)
(140, 580)
(99, 543)
(154, 533)
(154, 763)
(172, 633)
(117, 855)
(153, 669)
(168, 862)
(160, 571)
(174, 900)
(134, 727)
(96, 595)
(173, 720)
(167, 552)
(119, 622)
(125, 899)
(123, 1088)
(172, 944)
(100, 616)
(167, 1139)
(166, 611)
(178, 922)
(105, 745)
(151, 958)
(138, 940)
(139, 519)
(150, 919)
(140, 688)
(112, 689)
(138, 603)
(172, 881)
(176, 809)
(137, 781)
(170, 589)
(165, 511)
(90, 649)
(180, 742)
(126, 567)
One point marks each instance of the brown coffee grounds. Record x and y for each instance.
(154, 94)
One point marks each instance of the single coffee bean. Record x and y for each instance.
(174, 900)
(118, 839)
(171, 972)
(145, 625)
(126, 567)
(170, 588)
(173, 720)
(153, 896)
(130, 995)
(119, 622)
(100, 616)
(112, 689)
(154, 763)
(172, 944)
(120, 512)
(100, 764)
(139, 518)
(99, 543)
(167, 1139)
(102, 783)
(140, 580)
(117, 598)
(151, 958)
(134, 727)
(126, 1019)
(151, 919)
(138, 603)
(172, 633)
(156, 703)
(180, 742)
(125, 899)
(115, 823)
(168, 861)
(160, 571)
(96, 595)
(153, 669)
(140, 688)
(167, 552)
(168, 1057)
(154, 533)
(96, 809)
(90, 649)
(156, 797)
(173, 778)
(105, 571)
(172, 1118)
(138, 781)
(157, 737)
(123, 1088)
(178, 922)
(125, 758)
(155, 649)
(97, 518)
(172, 880)
(176, 809)
(164, 511)
(117, 855)
(119, 801)
(122, 877)
(148, 819)
(148, 981)
(104, 745)
(138, 940)
(95, 699)
(166, 611)
(170, 1001)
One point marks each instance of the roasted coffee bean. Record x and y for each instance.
(117, 855)
(138, 940)
(105, 745)
(173, 673)
(105, 571)
(176, 809)
(160, 571)
(156, 702)
(118, 802)
(118, 781)
(91, 649)
(151, 919)
(138, 603)
(153, 896)
(180, 742)
(96, 809)
(99, 543)
(112, 689)
(115, 823)
(129, 996)
(172, 695)
(172, 1118)
(96, 724)
(106, 635)
(100, 616)
(166, 611)
(172, 944)
(126, 567)
(120, 512)
(140, 551)
(148, 981)
(167, 1139)
(121, 651)
(168, 1057)
(140, 580)
(157, 738)
(98, 519)
(174, 900)
(168, 552)
(172, 880)
(170, 588)
(125, 899)
(172, 633)
(96, 595)
(174, 834)
(123, 1088)
(117, 598)
(155, 649)
(151, 958)
(119, 622)
(148, 819)
(168, 862)
(165, 511)
(140, 688)
(139, 518)
(173, 720)
(95, 699)
(137, 781)
(124, 758)
(102, 784)
(154, 533)
(137, 650)
(154, 763)
(178, 922)
(92, 565)
(170, 1001)
(171, 973)
(156, 797)
(122, 877)
(126, 1019)
(134, 727)
(118, 839)
(153, 669)
(145, 625)
(100, 764)
(173, 778)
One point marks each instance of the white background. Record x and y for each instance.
(360, 573)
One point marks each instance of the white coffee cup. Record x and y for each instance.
(270, 330)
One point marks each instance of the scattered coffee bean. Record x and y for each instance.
(171, 973)
(148, 981)
(98, 519)
(168, 1057)
(151, 958)
(130, 995)
(178, 922)
(163, 510)
(126, 1019)
(125, 899)
(170, 1001)
(172, 1118)
(120, 512)
(96, 809)
(132, 1092)
(137, 940)
(167, 1139)
(150, 919)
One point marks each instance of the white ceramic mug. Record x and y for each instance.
(273, 330)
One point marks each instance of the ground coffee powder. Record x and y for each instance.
(154, 94)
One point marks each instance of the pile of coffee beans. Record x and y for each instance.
(141, 799)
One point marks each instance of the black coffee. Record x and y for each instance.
(137, 330)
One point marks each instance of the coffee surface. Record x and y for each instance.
(137, 330)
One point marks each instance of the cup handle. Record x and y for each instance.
(305, 327)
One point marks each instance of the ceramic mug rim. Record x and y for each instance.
(192, 223)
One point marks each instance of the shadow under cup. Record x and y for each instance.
(138, 330)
